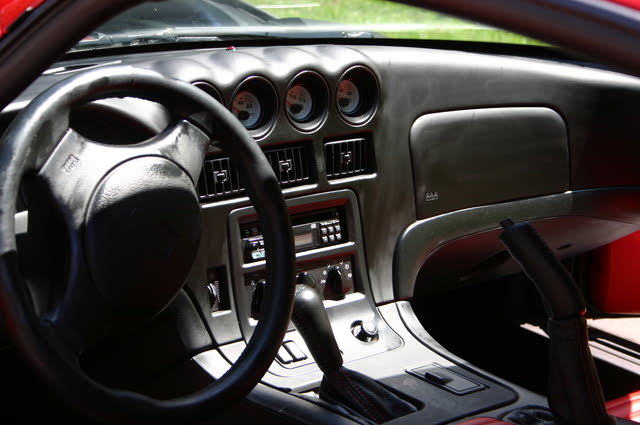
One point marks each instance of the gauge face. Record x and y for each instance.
(299, 103)
(247, 108)
(348, 97)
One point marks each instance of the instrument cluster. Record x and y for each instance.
(306, 103)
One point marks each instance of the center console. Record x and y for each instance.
(385, 342)
(330, 257)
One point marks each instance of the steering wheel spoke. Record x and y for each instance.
(183, 143)
(74, 169)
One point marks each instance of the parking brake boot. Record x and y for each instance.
(575, 395)
(341, 385)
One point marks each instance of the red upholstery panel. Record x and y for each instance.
(627, 407)
(484, 421)
(615, 276)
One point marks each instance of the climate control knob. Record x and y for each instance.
(337, 286)
(304, 278)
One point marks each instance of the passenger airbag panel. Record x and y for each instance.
(480, 156)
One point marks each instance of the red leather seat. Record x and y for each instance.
(484, 421)
(627, 407)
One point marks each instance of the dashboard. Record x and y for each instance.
(397, 164)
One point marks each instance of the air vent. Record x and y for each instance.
(290, 164)
(348, 158)
(219, 179)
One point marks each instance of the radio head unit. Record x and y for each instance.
(310, 231)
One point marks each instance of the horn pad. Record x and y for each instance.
(143, 228)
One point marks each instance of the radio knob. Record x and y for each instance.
(256, 299)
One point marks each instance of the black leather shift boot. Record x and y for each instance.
(363, 395)
(342, 386)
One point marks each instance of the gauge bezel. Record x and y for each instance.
(266, 93)
(209, 89)
(318, 88)
(369, 90)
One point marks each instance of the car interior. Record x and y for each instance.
(166, 210)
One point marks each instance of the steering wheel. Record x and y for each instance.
(132, 226)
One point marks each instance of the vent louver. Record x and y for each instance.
(291, 165)
(348, 158)
(219, 178)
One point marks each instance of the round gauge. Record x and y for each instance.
(299, 103)
(307, 100)
(348, 97)
(357, 95)
(208, 89)
(247, 108)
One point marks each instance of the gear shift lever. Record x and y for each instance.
(312, 322)
(341, 385)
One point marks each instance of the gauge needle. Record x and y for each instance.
(295, 107)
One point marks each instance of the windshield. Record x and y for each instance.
(228, 20)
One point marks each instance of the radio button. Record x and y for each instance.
(338, 237)
(332, 238)
(325, 239)
(337, 227)
(323, 230)
(258, 255)
(331, 229)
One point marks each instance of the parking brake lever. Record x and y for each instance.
(556, 286)
(575, 395)
(341, 385)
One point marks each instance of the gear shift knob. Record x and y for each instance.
(312, 322)
(340, 385)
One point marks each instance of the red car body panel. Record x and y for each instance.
(634, 4)
(11, 10)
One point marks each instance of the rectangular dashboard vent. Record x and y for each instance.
(349, 158)
(290, 164)
(219, 178)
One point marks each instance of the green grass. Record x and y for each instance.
(387, 18)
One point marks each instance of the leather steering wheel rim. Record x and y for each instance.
(26, 147)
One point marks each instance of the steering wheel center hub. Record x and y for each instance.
(142, 232)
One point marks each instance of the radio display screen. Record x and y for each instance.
(303, 239)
